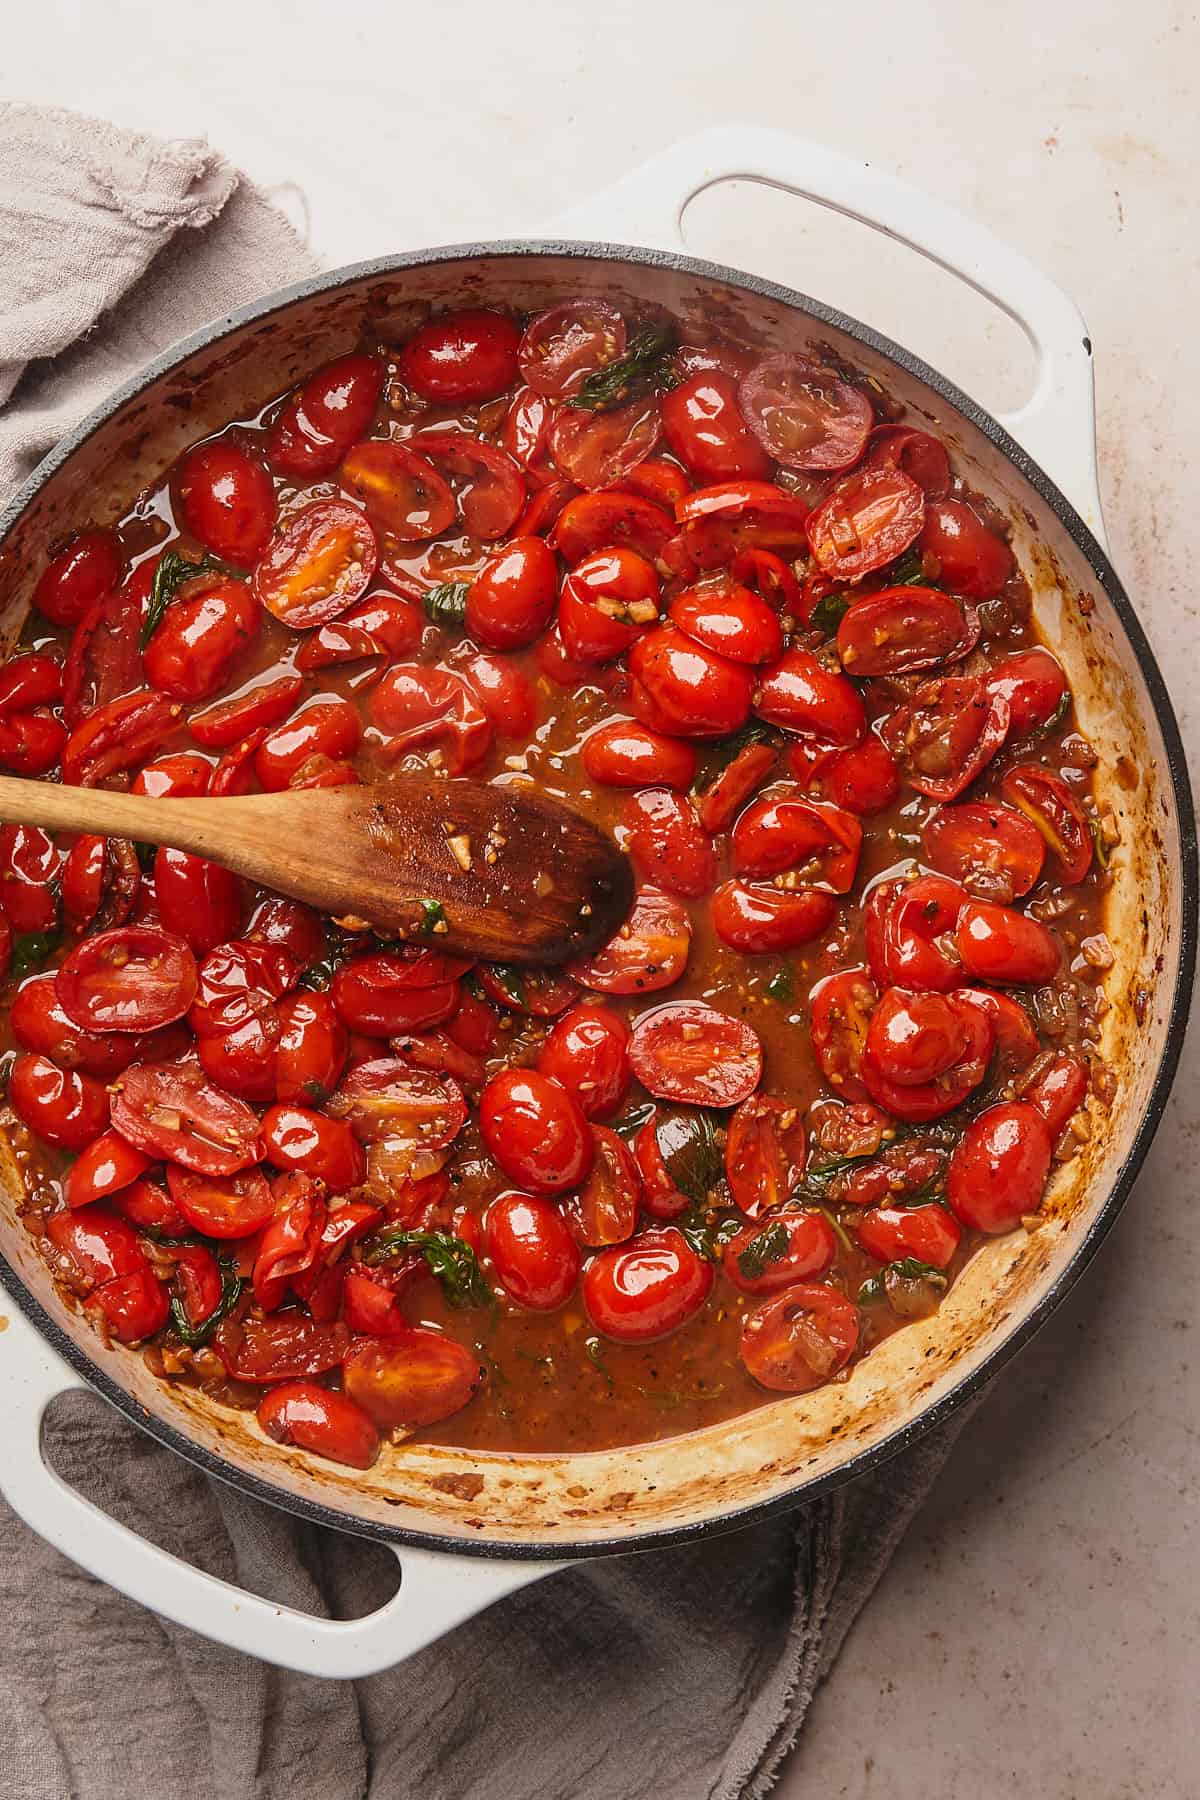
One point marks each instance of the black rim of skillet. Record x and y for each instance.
(547, 1549)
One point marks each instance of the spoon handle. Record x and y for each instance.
(87, 809)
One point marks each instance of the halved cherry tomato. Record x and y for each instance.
(462, 356)
(410, 1380)
(947, 734)
(377, 995)
(802, 695)
(438, 1051)
(668, 844)
(387, 1098)
(30, 864)
(1059, 1090)
(922, 457)
(999, 944)
(992, 849)
(645, 1288)
(511, 600)
(654, 1141)
(731, 620)
(840, 1008)
(239, 981)
(760, 919)
(592, 522)
(311, 1050)
(706, 428)
(290, 926)
(150, 1208)
(536, 1131)
(221, 1206)
(169, 1111)
(328, 413)
(320, 1420)
(770, 577)
(784, 833)
(39, 1023)
(599, 449)
(587, 1053)
(901, 629)
(403, 494)
(133, 978)
(372, 1309)
(1033, 684)
(1048, 803)
(60, 1106)
(605, 1209)
(804, 414)
(661, 481)
(562, 347)
(929, 1233)
(80, 575)
(803, 1246)
(229, 720)
(940, 1044)
(1016, 1038)
(722, 521)
(685, 689)
(526, 425)
(649, 952)
(687, 1051)
(971, 559)
(101, 879)
(319, 562)
(534, 1254)
(198, 1279)
(544, 507)
(103, 660)
(628, 755)
(296, 1137)
(607, 602)
(800, 1339)
(285, 1347)
(133, 1307)
(96, 1245)
(491, 488)
(724, 798)
(227, 500)
(904, 921)
(863, 779)
(324, 731)
(866, 520)
(415, 706)
(198, 900)
(543, 992)
(117, 736)
(290, 1243)
(764, 1161)
(104, 1167)
(998, 1172)
(178, 777)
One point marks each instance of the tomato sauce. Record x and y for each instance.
(732, 610)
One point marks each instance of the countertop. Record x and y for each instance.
(1038, 1630)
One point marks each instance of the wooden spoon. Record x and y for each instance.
(493, 872)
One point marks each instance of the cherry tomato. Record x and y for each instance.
(1016, 1039)
(646, 1288)
(688, 1051)
(133, 1307)
(192, 651)
(512, 599)
(928, 1233)
(96, 1245)
(919, 455)
(104, 1167)
(101, 880)
(866, 520)
(29, 681)
(291, 926)
(169, 1111)
(802, 695)
(690, 691)
(395, 625)
(863, 779)
(612, 520)
(290, 1243)
(31, 743)
(628, 755)
(296, 1137)
(526, 424)
(117, 736)
(599, 449)
(783, 833)
(562, 347)
(663, 1133)
(376, 995)
(660, 481)
(1059, 1090)
(328, 413)
(229, 720)
(325, 731)
(60, 1106)
(285, 1347)
(904, 921)
(198, 1278)
(134, 978)
(491, 490)
(150, 1208)
(461, 356)
(1033, 684)
(404, 495)
(759, 920)
(543, 992)
(840, 1007)
(801, 1338)
(319, 1420)
(221, 1206)
(39, 1023)
(998, 1172)
(705, 427)
(941, 1045)
(971, 559)
(764, 1159)
(370, 1308)
(731, 517)
(226, 499)
(198, 900)
(29, 871)
(800, 1245)
(990, 847)
(319, 562)
(770, 577)
(721, 802)
(410, 1380)
(387, 1098)
(414, 707)
(1050, 806)
(544, 507)
(605, 1209)
(947, 734)
(311, 1050)
(803, 414)
(534, 1254)
(607, 602)
(731, 620)
(901, 629)
(237, 982)
(649, 952)
(669, 846)
(998, 944)
(179, 777)
(74, 580)
(587, 1054)
(536, 1131)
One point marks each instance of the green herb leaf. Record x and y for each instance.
(433, 914)
(645, 367)
(1057, 716)
(722, 751)
(872, 1292)
(705, 1231)
(632, 1123)
(909, 571)
(195, 1335)
(911, 1268)
(821, 1172)
(828, 613)
(318, 975)
(32, 950)
(145, 854)
(593, 1349)
(449, 1258)
(838, 1229)
(446, 604)
(172, 571)
(780, 985)
(687, 1143)
(1098, 843)
(767, 1247)
(511, 980)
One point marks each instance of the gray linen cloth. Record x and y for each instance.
(680, 1675)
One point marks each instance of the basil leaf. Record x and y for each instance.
(767, 1247)
(449, 1258)
(828, 613)
(433, 914)
(195, 1335)
(687, 1143)
(32, 950)
(909, 571)
(872, 1292)
(446, 604)
(1057, 716)
(172, 571)
(706, 1235)
(645, 366)
(911, 1268)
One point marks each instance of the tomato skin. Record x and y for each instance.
(920, 455)
(984, 843)
(410, 1380)
(198, 900)
(169, 1111)
(802, 695)
(288, 925)
(649, 952)
(669, 846)
(614, 519)
(375, 995)
(724, 798)
(890, 1233)
(877, 512)
(691, 690)
(74, 580)
(1016, 1040)
(811, 1248)
(1050, 806)
(179, 777)
(561, 347)
(902, 629)
(387, 1099)
(646, 1288)
(134, 978)
(97, 1245)
(1033, 683)
(1060, 1090)
(402, 493)
(706, 428)
(903, 922)
(940, 1045)
(60, 1106)
(296, 1137)
(31, 743)
(605, 1209)
(628, 755)
(101, 881)
(191, 653)
(461, 356)
(536, 1131)
(600, 449)
(840, 1007)
(998, 1171)
(116, 736)
(731, 517)
(688, 1051)
(291, 1240)
(512, 599)
(732, 621)
(28, 681)
(762, 919)
(311, 1050)
(326, 414)
(150, 1208)
(660, 1197)
(792, 1361)
(227, 500)
(999, 944)
(783, 832)
(606, 604)
(325, 728)
(415, 706)
(524, 435)
(764, 1157)
(287, 1346)
(29, 866)
(972, 560)
(229, 1206)
(104, 1167)
(319, 1420)
(587, 1054)
(534, 1254)
(803, 414)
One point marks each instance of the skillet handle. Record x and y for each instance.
(1057, 425)
(438, 1591)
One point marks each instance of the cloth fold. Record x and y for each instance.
(682, 1674)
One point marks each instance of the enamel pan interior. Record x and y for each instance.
(795, 1446)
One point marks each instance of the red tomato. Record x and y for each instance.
(29, 681)
(985, 844)
(132, 979)
(807, 1249)
(1060, 1090)
(370, 1308)
(812, 840)
(29, 872)
(1050, 806)
(193, 649)
(650, 951)
(319, 562)
(491, 490)
(866, 520)
(197, 900)
(511, 600)
(438, 1051)
(414, 707)
(296, 1137)
(770, 577)
(759, 920)
(802, 695)
(221, 1206)
(543, 992)
(764, 1159)
(901, 629)
(599, 449)
(462, 356)
(801, 1338)
(646, 1288)
(731, 517)
(998, 1172)
(669, 846)
(198, 1275)
(226, 499)
(117, 736)
(606, 603)
(690, 691)
(60, 1106)
(311, 1050)
(544, 508)
(325, 731)
(947, 734)
(928, 1233)
(404, 495)
(101, 880)
(705, 427)
(971, 559)
(604, 521)
(660, 1196)
(534, 1254)
(169, 1111)
(237, 982)
(285, 1347)
(562, 347)
(319, 1420)
(605, 1209)
(133, 1307)
(803, 414)
(731, 620)
(863, 779)
(721, 802)
(74, 580)
(290, 1243)
(39, 1023)
(840, 1008)
(377, 995)
(904, 921)
(229, 720)
(1001, 945)
(386, 1098)
(587, 1054)
(1016, 1040)
(941, 1045)
(410, 1380)
(660, 481)
(150, 1208)
(290, 926)
(628, 755)
(324, 416)
(31, 743)
(920, 456)
(536, 1131)
(96, 1245)
(1033, 684)
(687, 1051)
(525, 427)
(179, 777)
(395, 625)
(104, 1167)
